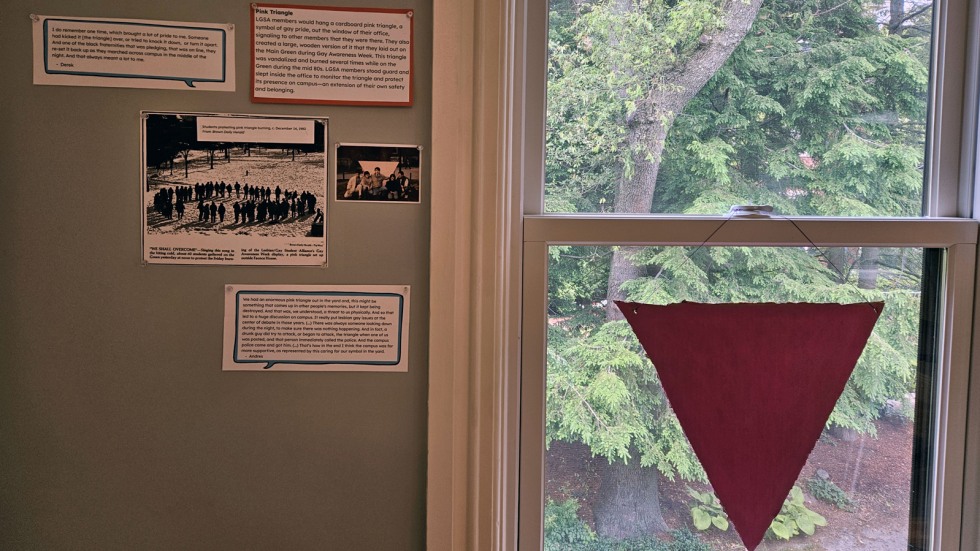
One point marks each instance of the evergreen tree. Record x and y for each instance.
(819, 110)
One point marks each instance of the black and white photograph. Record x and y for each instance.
(234, 189)
(378, 173)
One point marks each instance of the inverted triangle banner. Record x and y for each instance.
(752, 386)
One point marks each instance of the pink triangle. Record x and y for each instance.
(752, 386)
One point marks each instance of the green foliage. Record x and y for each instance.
(829, 88)
(795, 517)
(685, 540)
(563, 530)
(572, 271)
(602, 391)
(886, 369)
(819, 111)
(604, 60)
(707, 511)
(828, 492)
(682, 540)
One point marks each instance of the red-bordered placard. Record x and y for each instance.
(332, 55)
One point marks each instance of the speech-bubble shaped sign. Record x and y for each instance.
(84, 51)
(313, 329)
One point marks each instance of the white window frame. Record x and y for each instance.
(957, 236)
(489, 239)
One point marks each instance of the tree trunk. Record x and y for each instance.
(837, 261)
(650, 123)
(868, 268)
(628, 503)
(634, 195)
(896, 16)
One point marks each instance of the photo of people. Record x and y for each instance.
(212, 188)
(240, 189)
(381, 173)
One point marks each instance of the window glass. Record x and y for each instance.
(619, 472)
(817, 107)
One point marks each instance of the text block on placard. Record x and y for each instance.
(81, 51)
(350, 56)
(316, 328)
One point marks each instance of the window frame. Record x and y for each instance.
(957, 236)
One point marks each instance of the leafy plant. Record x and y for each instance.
(563, 530)
(683, 540)
(635, 544)
(795, 517)
(828, 492)
(707, 511)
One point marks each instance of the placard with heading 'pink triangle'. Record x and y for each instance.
(752, 386)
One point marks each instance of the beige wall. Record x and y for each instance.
(118, 429)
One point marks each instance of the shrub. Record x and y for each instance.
(706, 511)
(794, 517)
(637, 544)
(684, 540)
(563, 530)
(828, 492)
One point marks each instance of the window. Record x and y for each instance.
(605, 412)
(812, 106)
(584, 412)
(821, 111)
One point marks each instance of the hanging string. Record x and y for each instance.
(710, 235)
(688, 257)
(814, 245)
(820, 251)
(843, 277)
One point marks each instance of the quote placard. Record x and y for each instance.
(133, 53)
(322, 55)
(316, 328)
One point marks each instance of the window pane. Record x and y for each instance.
(618, 465)
(816, 107)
